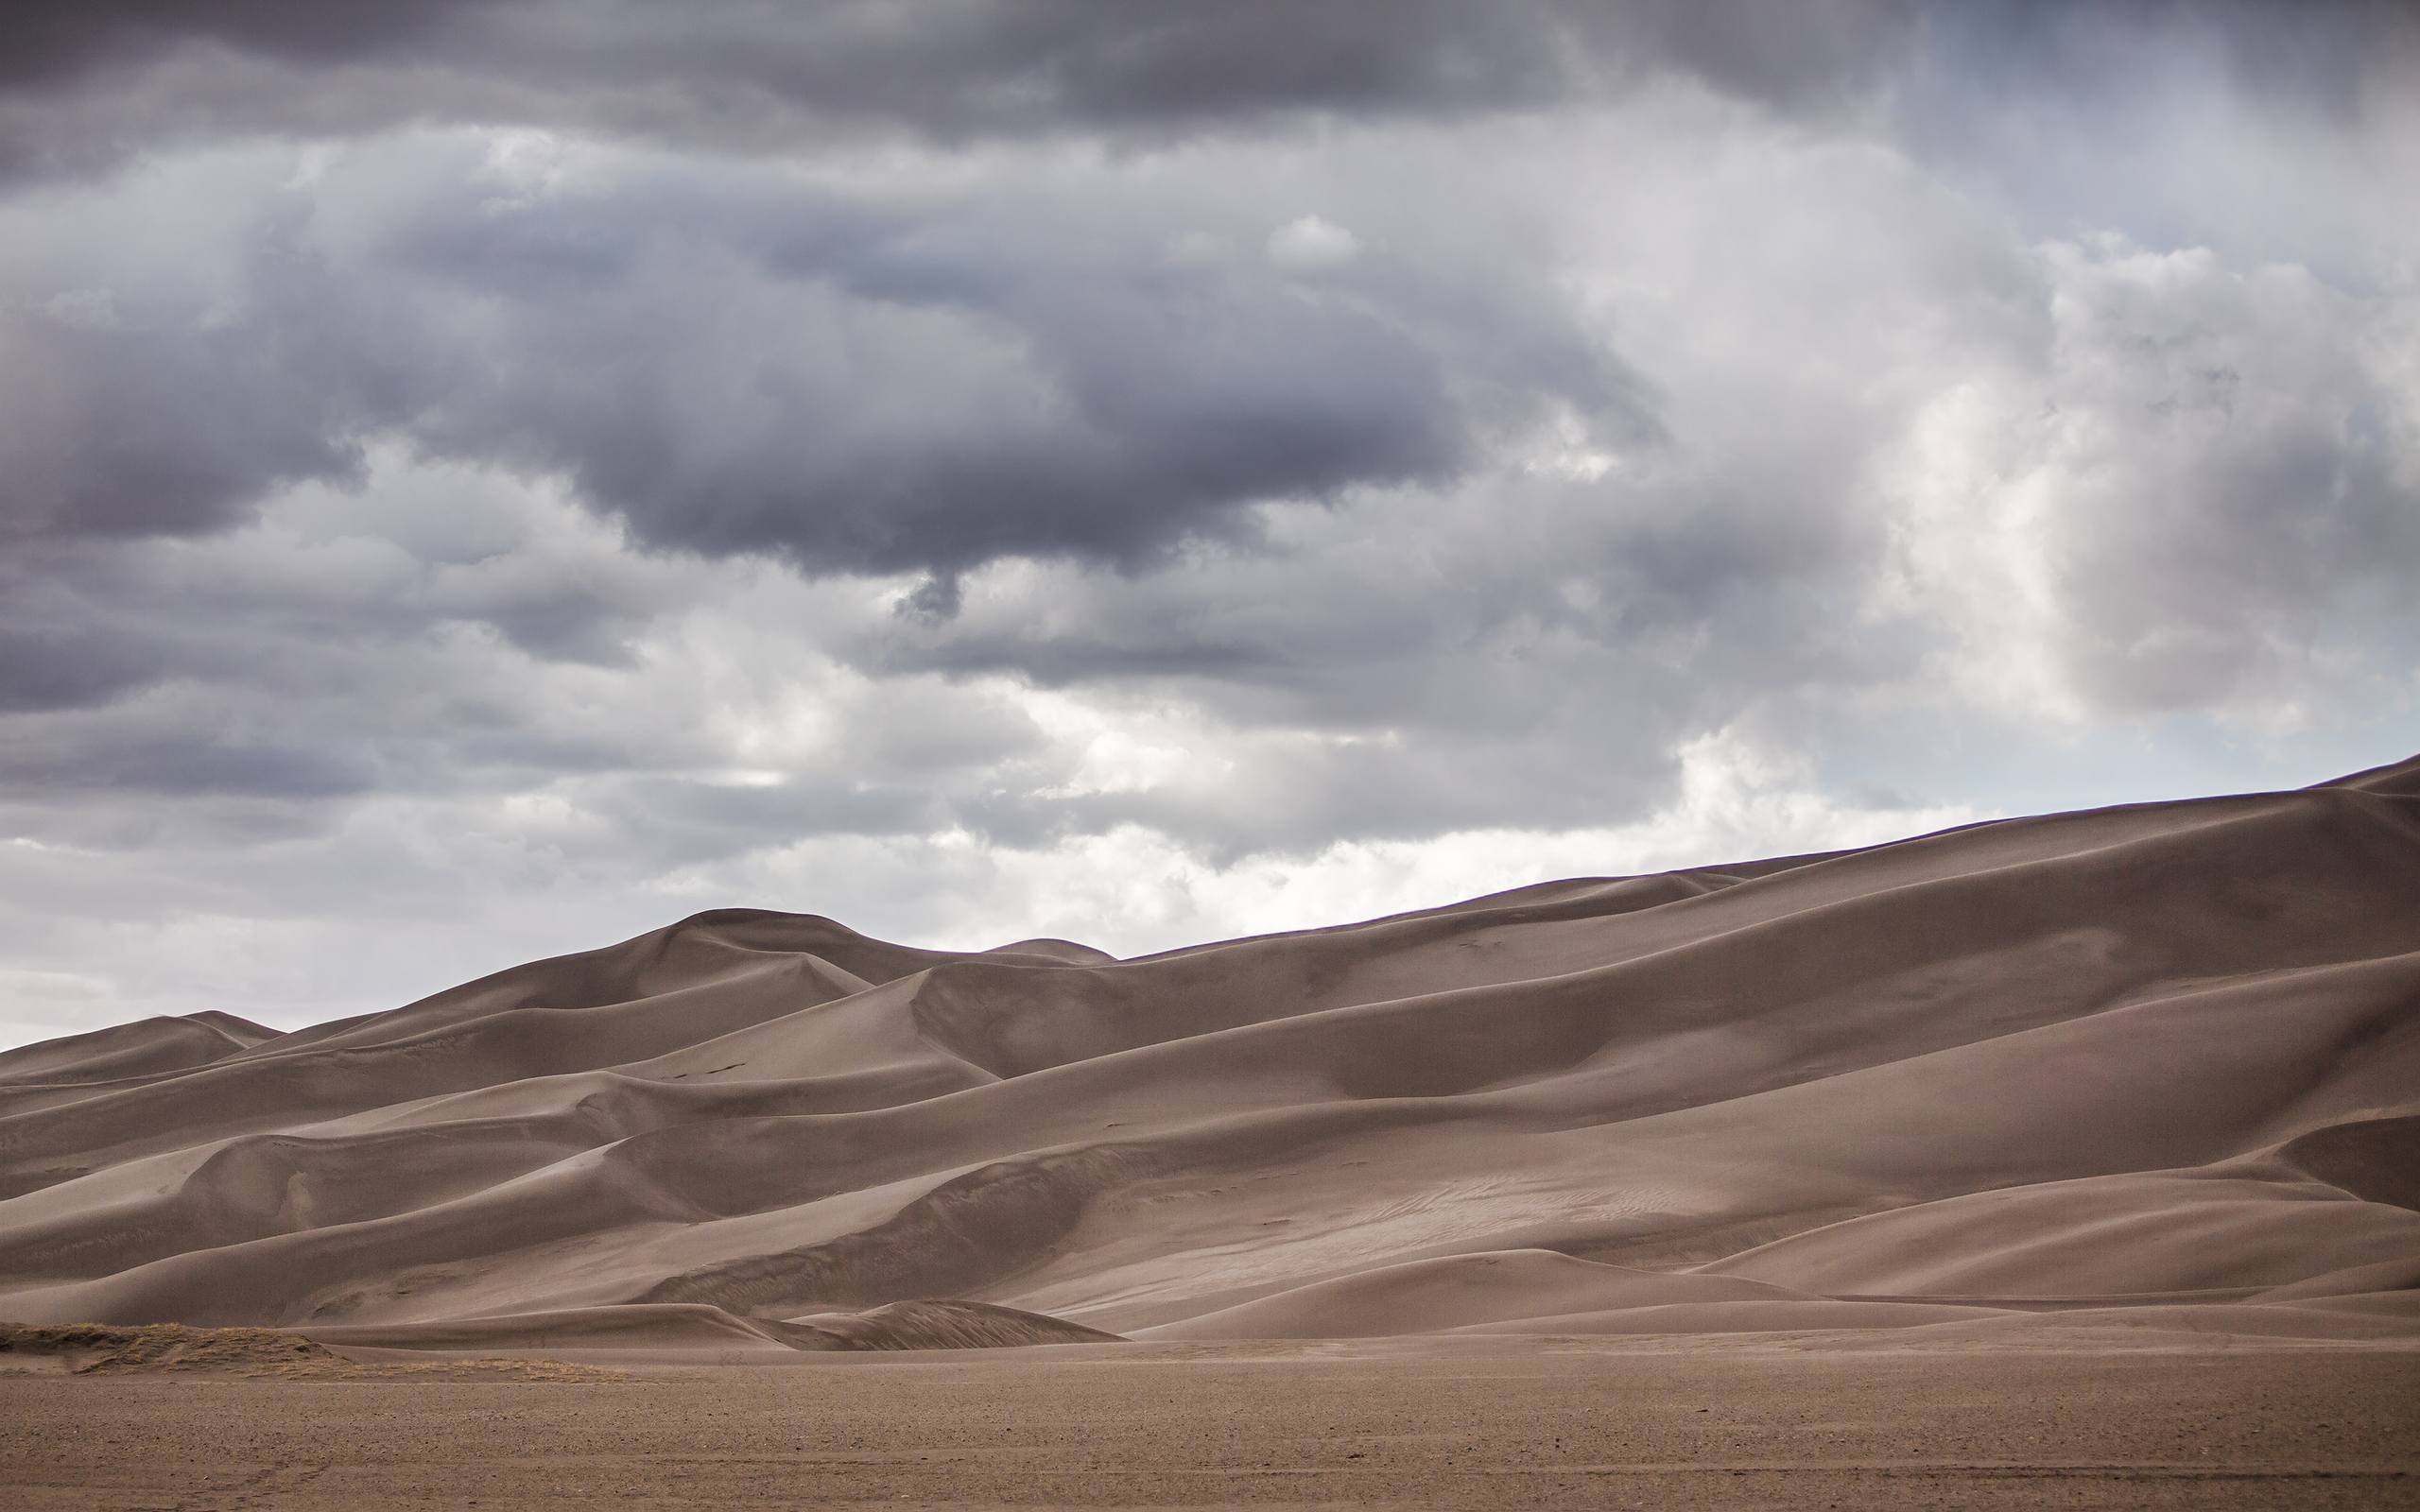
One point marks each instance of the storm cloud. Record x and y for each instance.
(513, 471)
(746, 75)
(1091, 359)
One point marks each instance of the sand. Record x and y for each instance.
(1406, 1423)
(2069, 1159)
(2155, 1067)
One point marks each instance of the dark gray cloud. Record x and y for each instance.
(746, 72)
(309, 665)
(46, 44)
(731, 364)
(131, 433)
(2240, 124)
(169, 762)
(68, 666)
(2336, 58)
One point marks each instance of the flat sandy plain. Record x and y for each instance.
(1767, 1423)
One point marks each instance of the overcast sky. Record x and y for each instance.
(481, 479)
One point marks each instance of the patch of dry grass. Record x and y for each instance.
(96, 1348)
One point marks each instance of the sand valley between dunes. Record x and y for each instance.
(2071, 1159)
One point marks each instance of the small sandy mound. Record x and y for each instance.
(86, 1348)
(100, 1349)
(936, 1326)
(671, 1328)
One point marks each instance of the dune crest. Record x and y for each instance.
(2160, 1062)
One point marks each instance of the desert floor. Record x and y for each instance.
(1539, 1423)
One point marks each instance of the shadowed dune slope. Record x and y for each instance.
(2159, 1062)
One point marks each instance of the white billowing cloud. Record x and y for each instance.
(83, 309)
(1734, 803)
(1310, 245)
(2194, 492)
(533, 888)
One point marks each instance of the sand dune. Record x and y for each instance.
(1462, 1292)
(2147, 1067)
(80, 1065)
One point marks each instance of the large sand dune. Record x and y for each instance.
(2157, 1065)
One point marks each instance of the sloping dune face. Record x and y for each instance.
(2158, 1064)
